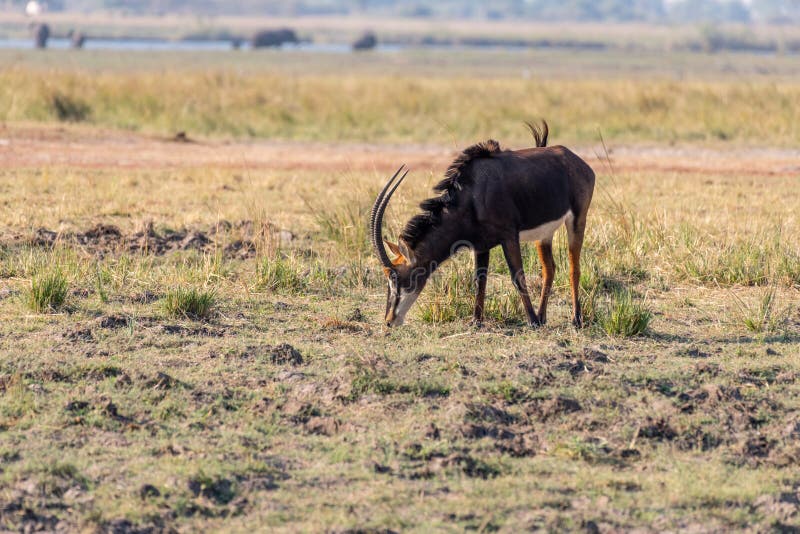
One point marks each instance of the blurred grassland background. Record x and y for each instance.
(266, 95)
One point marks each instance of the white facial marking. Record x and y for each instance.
(407, 299)
(544, 231)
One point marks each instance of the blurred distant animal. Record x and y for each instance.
(490, 197)
(236, 43)
(269, 38)
(41, 33)
(76, 38)
(368, 41)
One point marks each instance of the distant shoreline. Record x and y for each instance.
(413, 32)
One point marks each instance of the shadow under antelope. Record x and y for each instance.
(490, 197)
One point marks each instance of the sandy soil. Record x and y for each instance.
(33, 146)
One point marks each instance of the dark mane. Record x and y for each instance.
(455, 179)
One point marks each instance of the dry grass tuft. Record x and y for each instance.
(48, 291)
(192, 303)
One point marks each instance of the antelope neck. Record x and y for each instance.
(438, 246)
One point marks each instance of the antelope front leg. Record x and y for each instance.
(513, 255)
(481, 272)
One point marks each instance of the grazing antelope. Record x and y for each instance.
(490, 197)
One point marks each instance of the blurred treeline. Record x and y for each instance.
(666, 11)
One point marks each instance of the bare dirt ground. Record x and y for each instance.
(33, 146)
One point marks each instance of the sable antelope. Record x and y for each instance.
(490, 197)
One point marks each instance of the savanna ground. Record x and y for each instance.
(191, 324)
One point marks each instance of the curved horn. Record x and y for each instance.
(379, 222)
(377, 217)
(378, 201)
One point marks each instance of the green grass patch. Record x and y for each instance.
(370, 381)
(621, 315)
(282, 274)
(448, 295)
(764, 314)
(762, 260)
(48, 291)
(192, 303)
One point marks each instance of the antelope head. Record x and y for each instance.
(405, 279)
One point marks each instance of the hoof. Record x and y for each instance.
(577, 322)
(476, 323)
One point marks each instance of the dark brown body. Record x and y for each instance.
(507, 199)
(491, 197)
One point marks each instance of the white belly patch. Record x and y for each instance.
(545, 231)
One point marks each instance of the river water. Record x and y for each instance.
(165, 45)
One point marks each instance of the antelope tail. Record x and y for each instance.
(539, 134)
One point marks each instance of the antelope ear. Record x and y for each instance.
(398, 252)
(407, 252)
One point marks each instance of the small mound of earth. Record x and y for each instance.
(323, 426)
(185, 331)
(286, 353)
(162, 381)
(488, 413)
(511, 435)
(147, 491)
(103, 239)
(658, 430)
(148, 241)
(44, 238)
(555, 407)
(181, 137)
(459, 461)
(196, 240)
(78, 333)
(240, 248)
(112, 321)
(103, 231)
(282, 354)
(7, 293)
